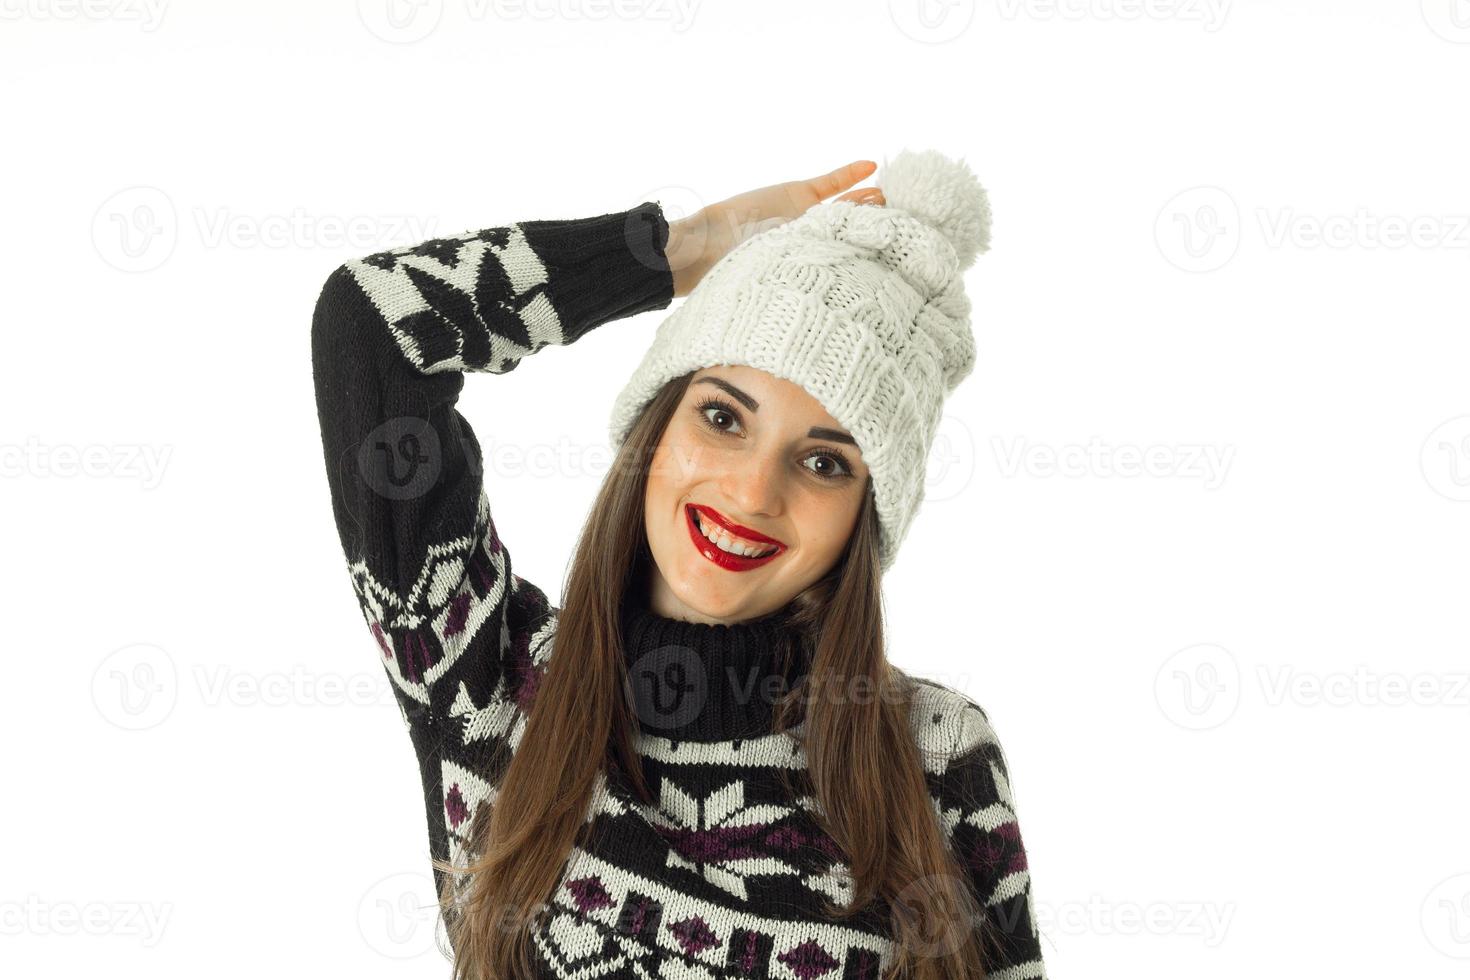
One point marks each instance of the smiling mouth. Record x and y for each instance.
(730, 547)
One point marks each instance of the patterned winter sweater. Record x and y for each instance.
(724, 876)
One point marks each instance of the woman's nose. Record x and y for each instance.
(756, 486)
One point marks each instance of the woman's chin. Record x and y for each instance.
(708, 592)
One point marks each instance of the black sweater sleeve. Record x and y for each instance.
(978, 811)
(392, 335)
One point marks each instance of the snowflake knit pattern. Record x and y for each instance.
(726, 876)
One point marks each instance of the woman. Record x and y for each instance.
(701, 764)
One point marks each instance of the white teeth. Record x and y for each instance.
(720, 538)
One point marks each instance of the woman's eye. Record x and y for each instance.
(835, 468)
(720, 419)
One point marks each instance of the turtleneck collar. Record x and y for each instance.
(704, 682)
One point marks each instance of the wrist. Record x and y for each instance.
(688, 249)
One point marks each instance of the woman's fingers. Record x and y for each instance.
(841, 179)
(865, 195)
(698, 242)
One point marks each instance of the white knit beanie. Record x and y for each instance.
(861, 305)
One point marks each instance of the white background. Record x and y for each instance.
(1231, 686)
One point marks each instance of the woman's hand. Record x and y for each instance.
(697, 242)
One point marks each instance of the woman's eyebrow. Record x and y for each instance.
(836, 435)
(735, 392)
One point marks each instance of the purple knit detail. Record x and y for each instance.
(1012, 832)
(409, 670)
(377, 629)
(459, 614)
(412, 639)
(787, 838)
(999, 850)
(482, 572)
(455, 807)
(828, 846)
(589, 893)
(530, 682)
(747, 956)
(528, 677)
(716, 844)
(694, 934)
(808, 960)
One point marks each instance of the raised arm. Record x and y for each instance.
(391, 336)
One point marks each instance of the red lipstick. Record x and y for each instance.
(725, 559)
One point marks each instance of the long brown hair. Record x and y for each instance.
(863, 762)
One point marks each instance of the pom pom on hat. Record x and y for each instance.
(943, 193)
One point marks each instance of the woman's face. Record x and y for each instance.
(755, 460)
